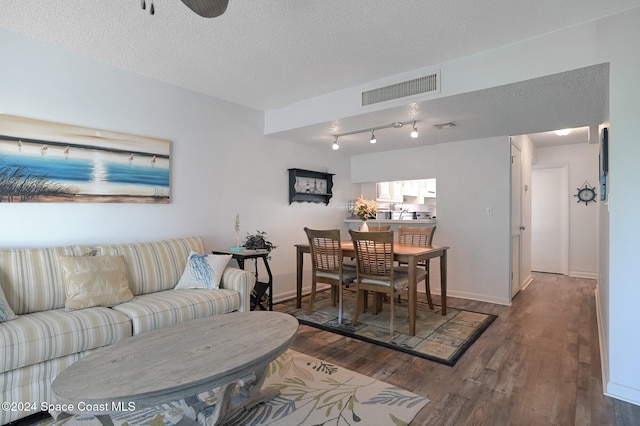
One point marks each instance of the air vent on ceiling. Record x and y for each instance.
(446, 125)
(418, 86)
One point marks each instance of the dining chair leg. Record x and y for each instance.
(312, 297)
(377, 302)
(380, 298)
(360, 294)
(427, 287)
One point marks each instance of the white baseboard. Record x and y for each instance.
(462, 295)
(584, 274)
(612, 389)
(476, 296)
(287, 295)
(604, 353)
(526, 282)
(623, 393)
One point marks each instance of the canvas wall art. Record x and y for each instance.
(41, 161)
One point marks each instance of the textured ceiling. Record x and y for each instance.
(270, 54)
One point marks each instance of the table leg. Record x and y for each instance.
(270, 282)
(105, 420)
(340, 305)
(232, 397)
(443, 282)
(299, 265)
(413, 296)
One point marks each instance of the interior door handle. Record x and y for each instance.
(522, 228)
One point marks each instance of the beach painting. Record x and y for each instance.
(41, 161)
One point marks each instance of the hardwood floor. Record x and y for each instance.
(537, 364)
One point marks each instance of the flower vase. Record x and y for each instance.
(363, 227)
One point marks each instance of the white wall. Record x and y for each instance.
(221, 165)
(612, 40)
(582, 160)
(472, 176)
(619, 280)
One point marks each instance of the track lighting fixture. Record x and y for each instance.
(152, 9)
(373, 139)
(335, 144)
(414, 132)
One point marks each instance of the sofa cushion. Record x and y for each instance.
(203, 271)
(160, 309)
(42, 336)
(31, 383)
(32, 279)
(95, 281)
(154, 266)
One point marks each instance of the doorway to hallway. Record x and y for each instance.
(550, 219)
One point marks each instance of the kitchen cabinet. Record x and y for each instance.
(389, 191)
(428, 188)
(412, 188)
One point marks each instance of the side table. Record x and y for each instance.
(261, 287)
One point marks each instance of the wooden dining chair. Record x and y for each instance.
(376, 271)
(423, 237)
(327, 265)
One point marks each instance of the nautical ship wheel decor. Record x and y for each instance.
(586, 194)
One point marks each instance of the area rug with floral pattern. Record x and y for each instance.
(440, 338)
(312, 392)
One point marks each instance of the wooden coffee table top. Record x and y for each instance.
(175, 362)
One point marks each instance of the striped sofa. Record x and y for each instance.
(46, 338)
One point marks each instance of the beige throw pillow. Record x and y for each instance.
(95, 281)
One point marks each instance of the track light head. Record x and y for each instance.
(335, 144)
(373, 138)
(414, 132)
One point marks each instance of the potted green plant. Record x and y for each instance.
(258, 241)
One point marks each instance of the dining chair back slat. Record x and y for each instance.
(376, 256)
(423, 237)
(327, 265)
(416, 236)
(375, 270)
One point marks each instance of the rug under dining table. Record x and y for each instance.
(438, 338)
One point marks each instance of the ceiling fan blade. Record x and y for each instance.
(207, 8)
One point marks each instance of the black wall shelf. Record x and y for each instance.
(310, 186)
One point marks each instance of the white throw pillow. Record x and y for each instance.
(6, 313)
(203, 271)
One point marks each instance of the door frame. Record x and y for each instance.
(515, 233)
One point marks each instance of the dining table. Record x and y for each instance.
(409, 254)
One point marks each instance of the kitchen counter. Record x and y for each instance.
(395, 223)
(421, 222)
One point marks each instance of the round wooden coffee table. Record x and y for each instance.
(179, 362)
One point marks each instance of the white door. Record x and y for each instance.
(550, 220)
(516, 219)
